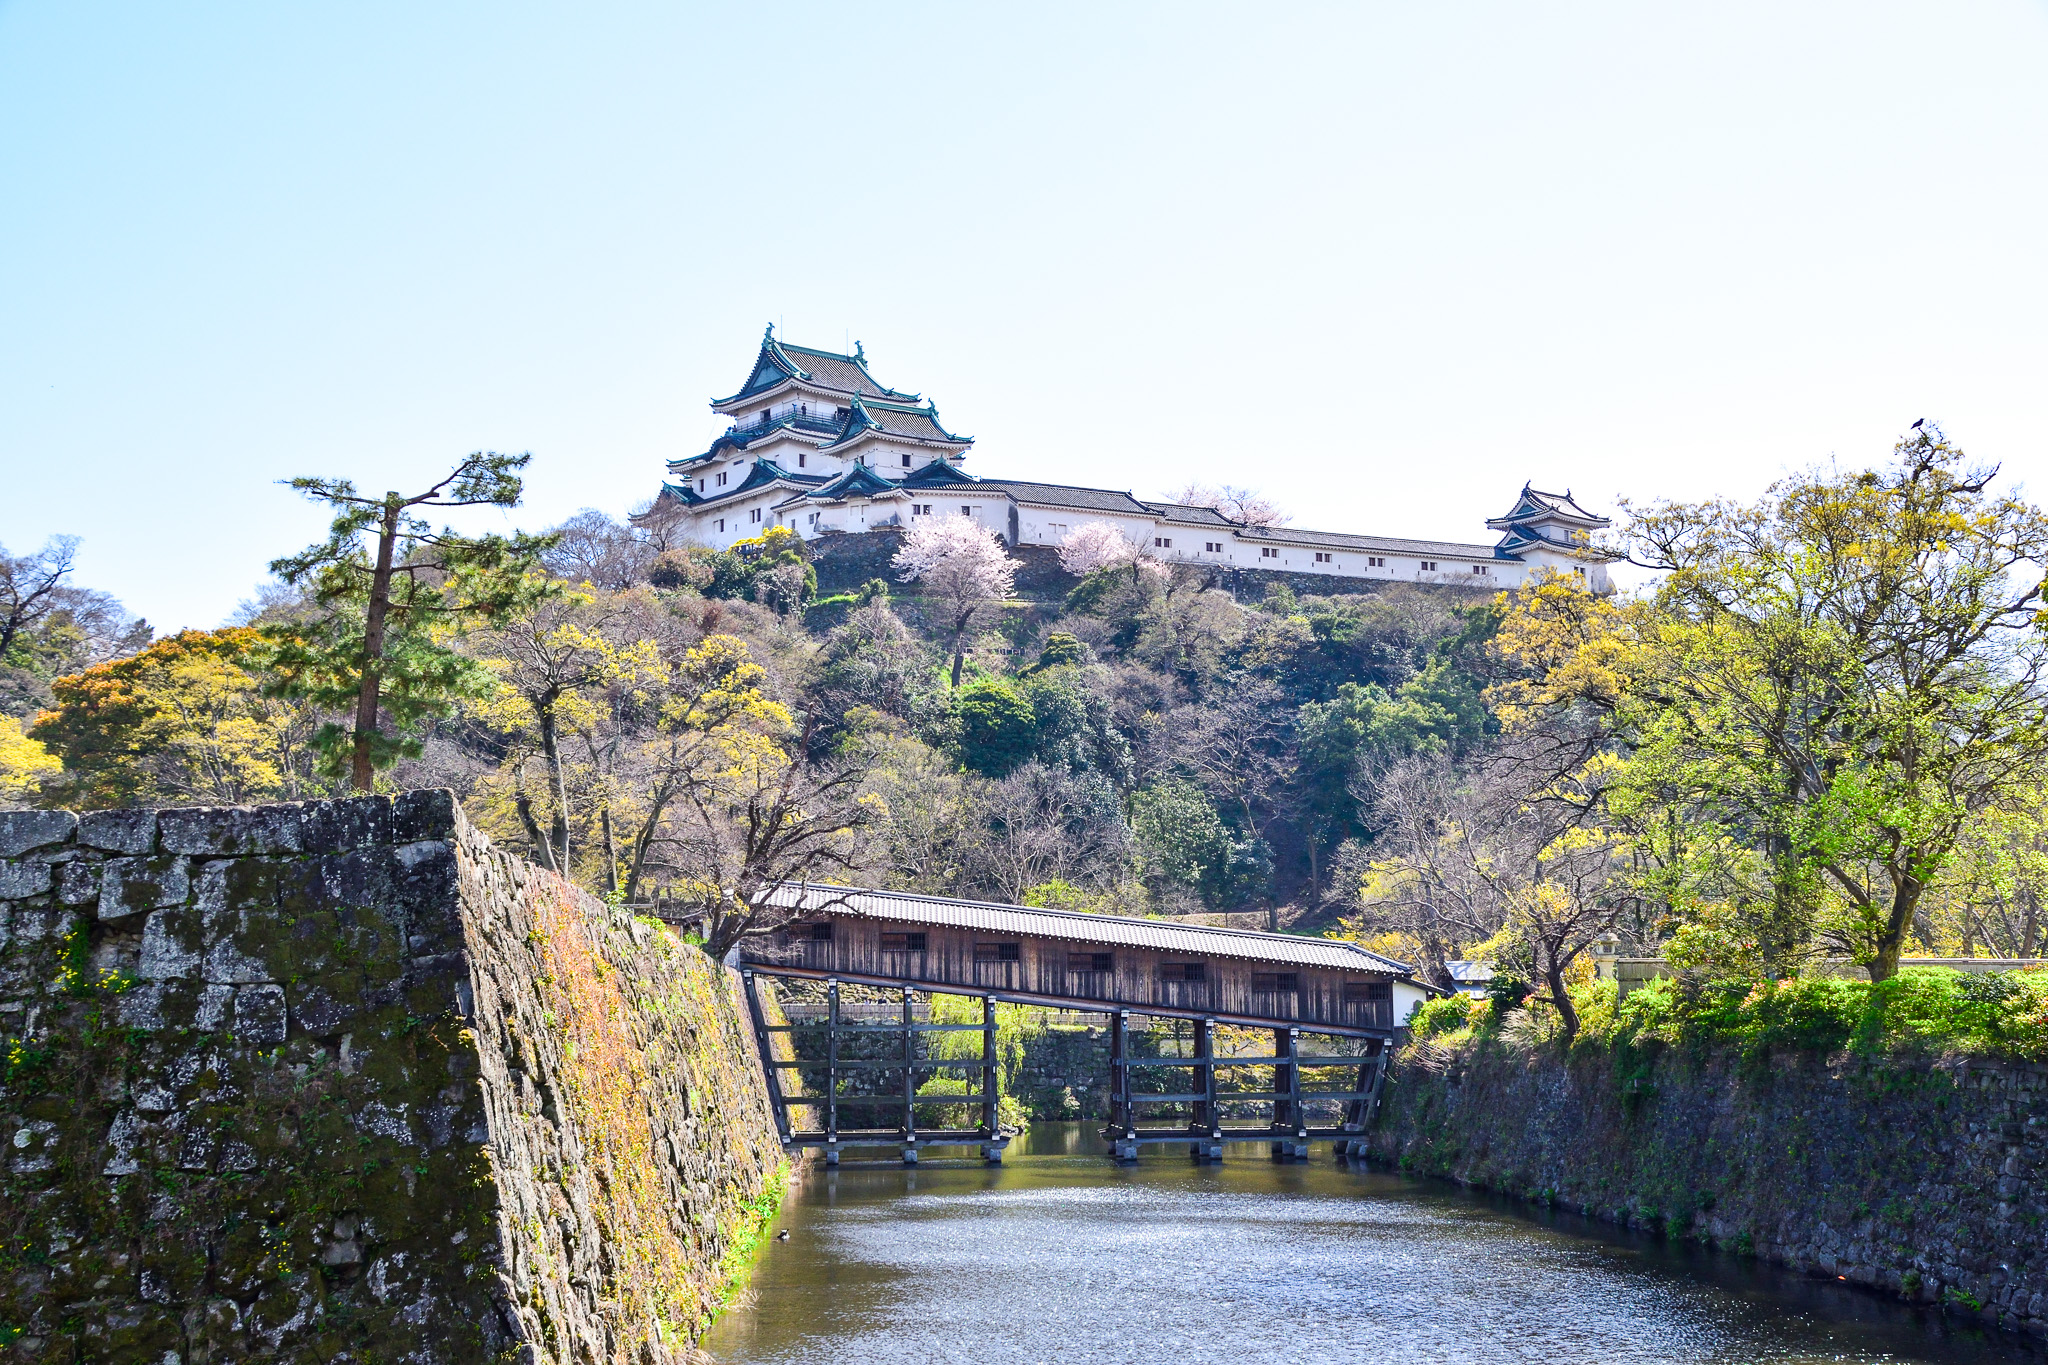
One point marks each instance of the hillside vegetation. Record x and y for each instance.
(1819, 732)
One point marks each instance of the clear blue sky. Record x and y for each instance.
(1385, 261)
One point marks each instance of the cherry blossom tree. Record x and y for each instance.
(965, 572)
(1095, 545)
(1246, 505)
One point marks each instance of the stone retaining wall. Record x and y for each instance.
(339, 1081)
(1917, 1177)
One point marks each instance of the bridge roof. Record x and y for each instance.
(1195, 940)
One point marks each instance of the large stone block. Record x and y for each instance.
(23, 830)
(339, 826)
(18, 881)
(135, 886)
(429, 813)
(118, 831)
(230, 829)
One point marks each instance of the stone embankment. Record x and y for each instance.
(339, 1081)
(1918, 1177)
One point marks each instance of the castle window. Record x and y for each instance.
(1268, 552)
(721, 524)
(721, 480)
(1214, 547)
(1429, 566)
(754, 515)
(1322, 558)
(1478, 568)
(802, 460)
(906, 462)
(1375, 562)
(765, 412)
(839, 414)
(700, 485)
(967, 511)
(1163, 542)
(814, 518)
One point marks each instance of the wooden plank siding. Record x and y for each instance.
(1066, 970)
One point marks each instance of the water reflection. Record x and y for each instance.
(1061, 1256)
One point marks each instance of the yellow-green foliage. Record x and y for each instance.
(1928, 1009)
(1014, 1024)
(611, 1092)
(1442, 1017)
(744, 1240)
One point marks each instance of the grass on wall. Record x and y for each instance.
(1922, 1009)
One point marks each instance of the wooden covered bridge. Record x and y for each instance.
(1346, 1000)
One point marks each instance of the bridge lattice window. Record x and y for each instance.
(1275, 983)
(903, 943)
(991, 951)
(1183, 971)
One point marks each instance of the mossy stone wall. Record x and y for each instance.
(339, 1081)
(1920, 1177)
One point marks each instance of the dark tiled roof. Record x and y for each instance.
(939, 473)
(779, 360)
(1534, 503)
(1064, 495)
(917, 424)
(1338, 540)
(857, 482)
(1187, 512)
(1194, 940)
(761, 475)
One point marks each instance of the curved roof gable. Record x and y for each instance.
(917, 424)
(1533, 504)
(779, 362)
(857, 482)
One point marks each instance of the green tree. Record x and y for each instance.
(1840, 677)
(184, 720)
(998, 728)
(388, 594)
(1182, 843)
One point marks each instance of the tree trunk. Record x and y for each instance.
(363, 772)
(550, 745)
(2030, 934)
(539, 836)
(1567, 1014)
(611, 850)
(1891, 941)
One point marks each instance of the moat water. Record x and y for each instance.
(1061, 1256)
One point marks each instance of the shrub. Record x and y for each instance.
(1920, 1009)
(998, 729)
(1450, 1014)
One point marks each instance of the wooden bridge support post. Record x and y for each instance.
(832, 1072)
(1207, 1123)
(1123, 1127)
(909, 1084)
(1289, 1123)
(768, 1068)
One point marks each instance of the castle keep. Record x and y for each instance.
(818, 445)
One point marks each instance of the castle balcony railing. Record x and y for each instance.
(807, 421)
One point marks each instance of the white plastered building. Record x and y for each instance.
(817, 445)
